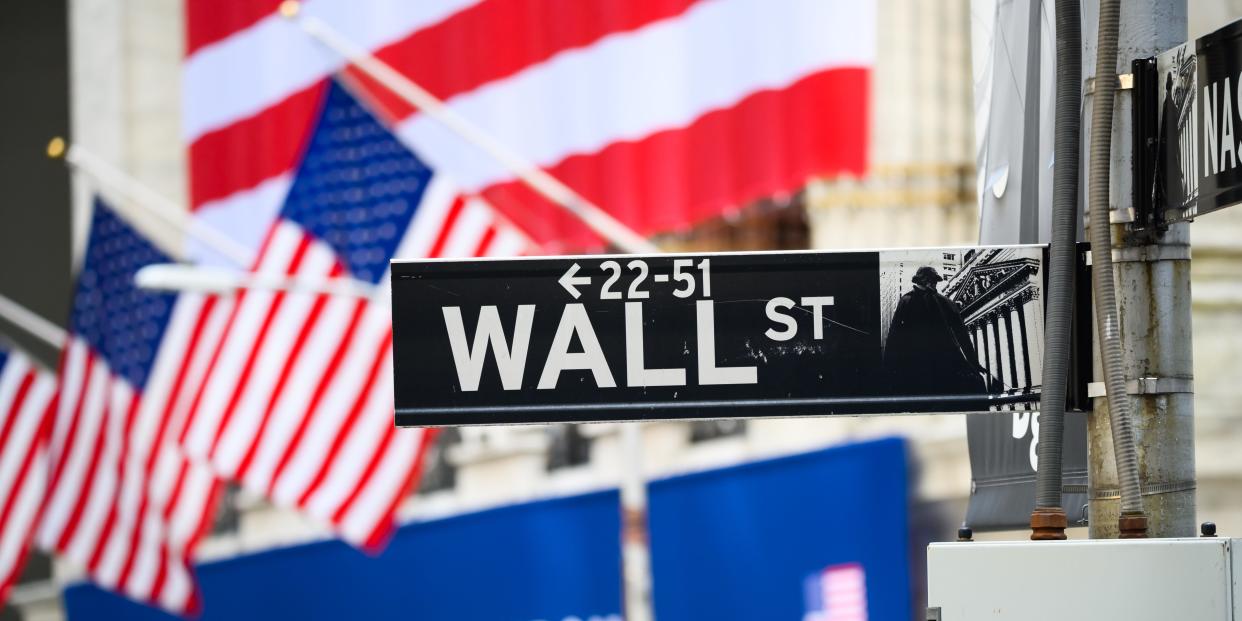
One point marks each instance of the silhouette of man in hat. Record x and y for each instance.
(1169, 153)
(928, 351)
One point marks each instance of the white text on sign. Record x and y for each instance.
(683, 276)
(470, 351)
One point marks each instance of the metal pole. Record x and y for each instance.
(1153, 297)
(1028, 221)
(635, 548)
(149, 201)
(175, 277)
(32, 322)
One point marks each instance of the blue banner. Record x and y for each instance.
(747, 542)
(542, 561)
(792, 538)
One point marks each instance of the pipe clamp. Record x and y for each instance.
(1125, 82)
(1149, 489)
(1148, 386)
(1151, 253)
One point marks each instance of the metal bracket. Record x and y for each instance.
(1116, 215)
(1151, 253)
(1125, 82)
(1148, 386)
(1144, 129)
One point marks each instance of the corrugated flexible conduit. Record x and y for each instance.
(1048, 479)
(1107, 320)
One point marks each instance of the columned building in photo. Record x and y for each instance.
(1002, 309)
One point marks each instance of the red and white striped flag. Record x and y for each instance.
(123, 503)
(298, 404)
(663, 112)
(27, 399)
(653, 109)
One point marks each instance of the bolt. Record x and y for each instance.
(1207, 529)
(56, 147)
(965, 534)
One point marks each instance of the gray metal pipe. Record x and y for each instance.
(1059, 317)
(1108, 326)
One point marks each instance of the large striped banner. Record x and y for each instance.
(664, 112)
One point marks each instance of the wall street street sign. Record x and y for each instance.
(606, 338)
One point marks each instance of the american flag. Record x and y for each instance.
(27, 400)
(123, 503)
(664, 112)
(298, 404)
(838, 593)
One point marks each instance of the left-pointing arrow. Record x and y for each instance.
(571, 282)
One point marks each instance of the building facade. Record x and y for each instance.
(1002, 309)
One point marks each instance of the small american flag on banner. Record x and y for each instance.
(838, 593)
(298, 405)
(123, 503)
(27, 398)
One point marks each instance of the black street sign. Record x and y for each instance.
(607, 338)
(1199, 136)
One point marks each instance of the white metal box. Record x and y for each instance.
(1156, 579)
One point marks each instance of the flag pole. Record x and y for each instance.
(201, 279)
(544, 184)
(32, 323)
(635, 549)
(207, 279)
(149, 201)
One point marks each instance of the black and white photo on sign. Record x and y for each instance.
(1176, 184)
(962, 321)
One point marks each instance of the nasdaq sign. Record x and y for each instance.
(602, 338)
(1199, 137)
